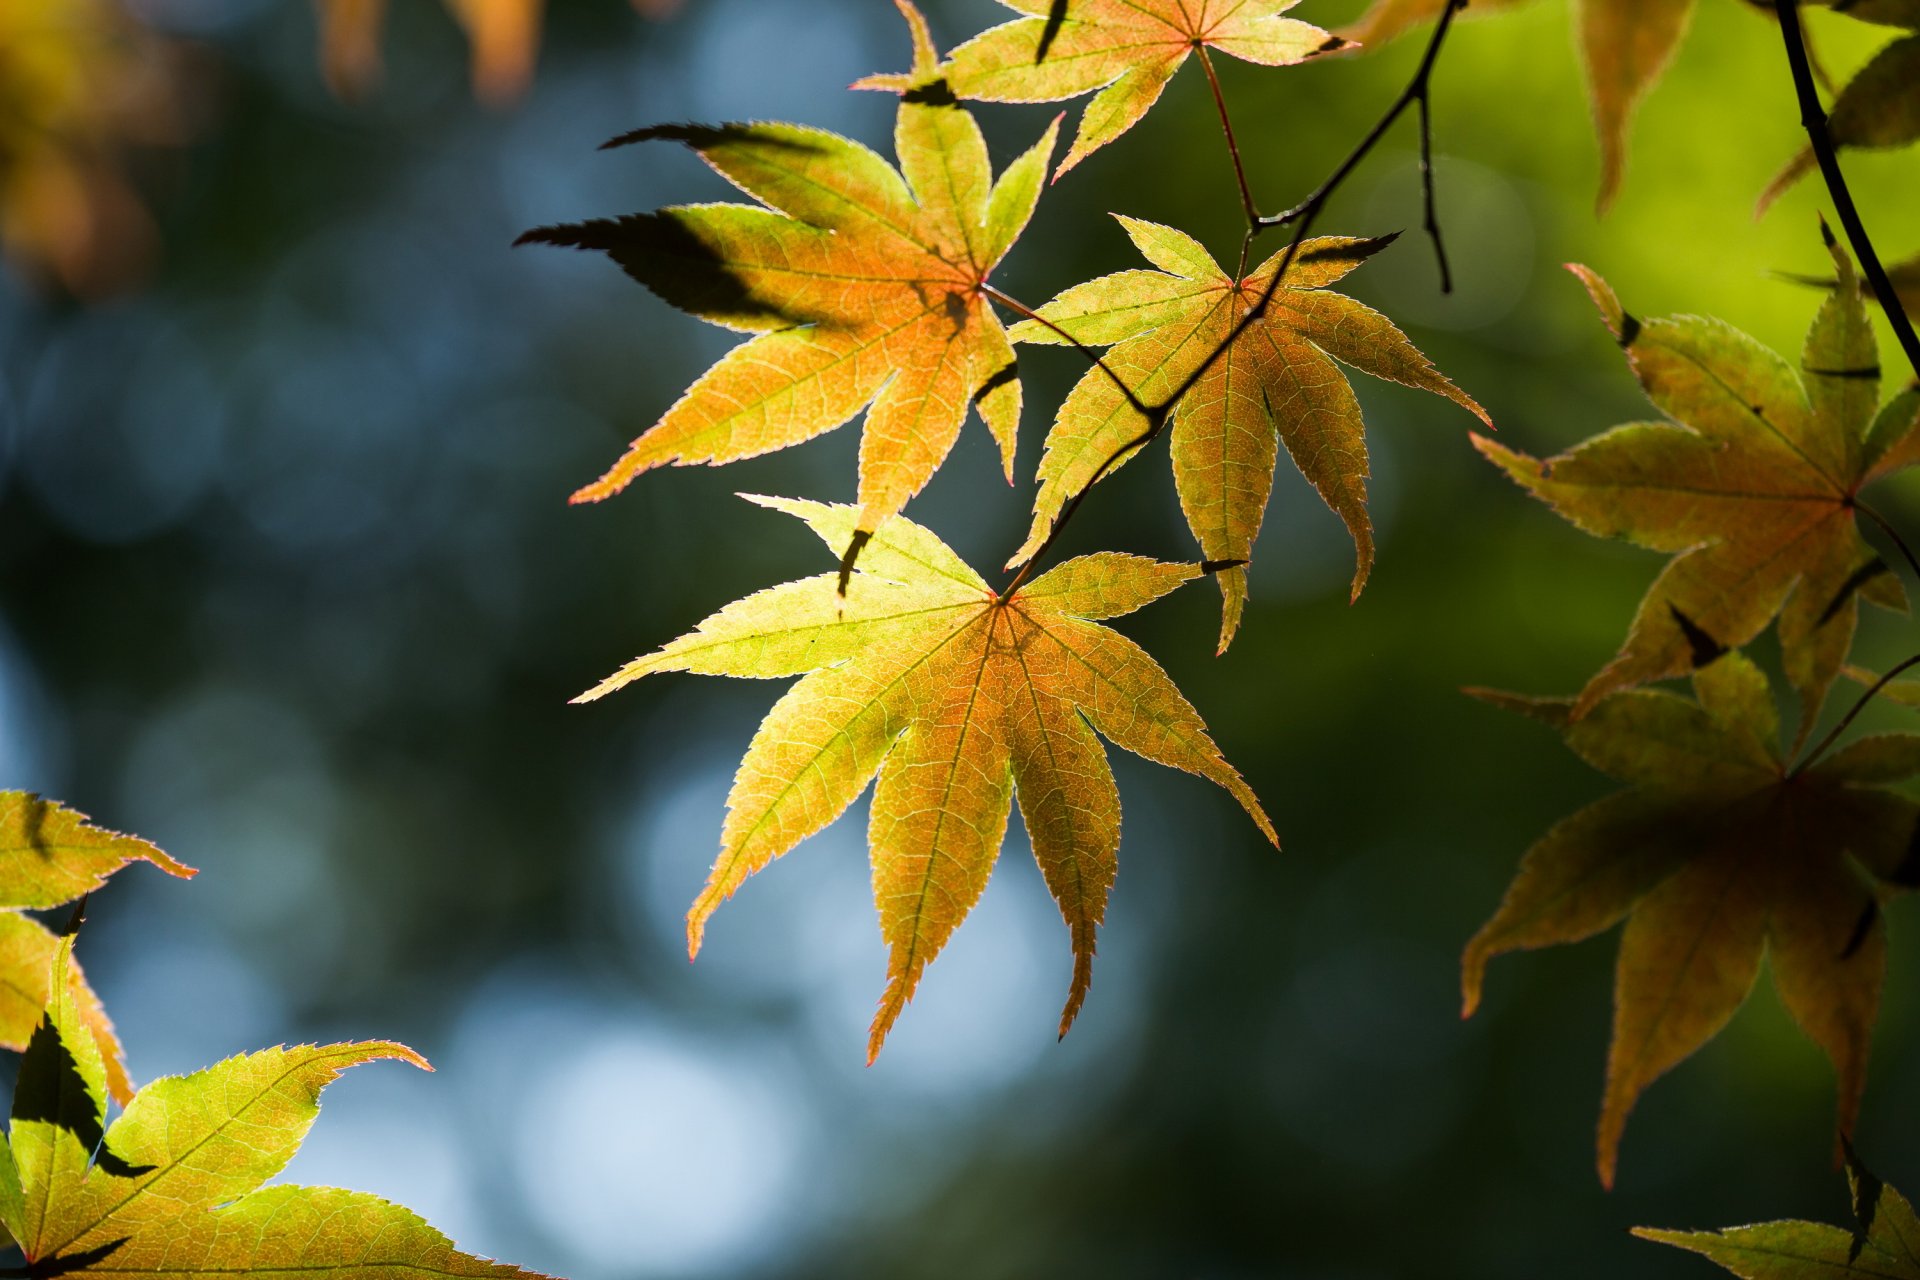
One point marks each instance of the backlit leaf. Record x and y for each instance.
(50, 855)
(863, 284)
(957, 698)
(1126, 49)
(1751, 486)
(1885, 1243)
(1716, 852)
(1278, 383)
(171, 1188)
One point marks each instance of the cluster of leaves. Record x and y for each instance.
(868, 287)
(172, 1188)
(1723, 848)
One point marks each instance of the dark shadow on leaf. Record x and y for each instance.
(1861, 928)
(701, 136)
(934, 93)
(670, 259)
(1857, 579)
(1704, 647)
(1866, 1202)
(52, 1090)
(67, 1263)
(1056, 18)
(34, 826)
(1008, 372)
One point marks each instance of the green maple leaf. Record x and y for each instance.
(1718, 853)
(1879, 107)
(864, 285)
(1885, 1243)
(49, 856)
(1752, 486)
(1126, 49)
(171, 1190)
(1277, 383)
(957, 698)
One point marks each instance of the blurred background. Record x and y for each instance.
(289, 585)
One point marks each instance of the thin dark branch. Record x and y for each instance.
(1432, 221)
(1887, 528)
(1814, 118)
(1247, 205)
(1301, 217)
(1813, 757)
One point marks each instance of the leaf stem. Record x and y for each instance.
(1821, 748)
(1247, 204)
(1021, 309)
(1814, 119)
(1301, 217)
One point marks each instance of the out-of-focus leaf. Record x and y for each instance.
(1751, 486)
(1126, 49)
(862, 282)
(957, 698)
(1879, 107)
(1278, 383)
(81, 84)
(504, 36)
(1625, 45)
(170, 1189)
(1715, 854)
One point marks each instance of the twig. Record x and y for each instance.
(1814, 118)
(1887, 528)
(1301, 217)
(1247, 205)
(1020, 308)
(1819, 750)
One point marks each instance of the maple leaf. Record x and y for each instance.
(1884, 1243)
(1126, 49)
(51, 855)
(1879, 107)
(170, 1191)
(1277, 383)
(1752, 487)
(957, 698)
(1717, 853)
(865, 286)
(1625, 46)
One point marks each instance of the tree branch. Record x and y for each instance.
(1814, 118)
(1301, 217)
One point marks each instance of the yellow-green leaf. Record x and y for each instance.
(171, 1188)
(50, 854)
(1751, 486)
(1277, 382)
(1885, 1243)
(865, 286)
(1126, 49)
(957, 698)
